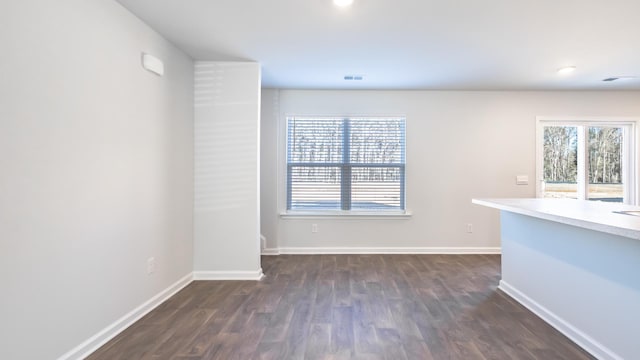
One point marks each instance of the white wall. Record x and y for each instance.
(460, 145)
(227, 173)
(96, 171)
(269, 215)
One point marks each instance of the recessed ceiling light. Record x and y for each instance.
(566, 70)
(343, 3)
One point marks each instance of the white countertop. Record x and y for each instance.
(593, 215)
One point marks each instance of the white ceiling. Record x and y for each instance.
(411, 44)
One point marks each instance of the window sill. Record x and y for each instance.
(342, 215)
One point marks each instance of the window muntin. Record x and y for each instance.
(345, 163)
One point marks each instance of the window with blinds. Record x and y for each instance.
(345, 163)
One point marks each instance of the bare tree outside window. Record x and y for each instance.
(604, 156)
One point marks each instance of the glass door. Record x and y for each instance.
(585, 160)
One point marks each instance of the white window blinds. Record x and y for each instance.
(351, 163)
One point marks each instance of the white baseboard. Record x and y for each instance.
(228, 275)
(576, 335)
(270, 251)
(386, 250)
(93, 343)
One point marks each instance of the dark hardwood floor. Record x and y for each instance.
(347, 307)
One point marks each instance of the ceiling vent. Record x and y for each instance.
(620, 78)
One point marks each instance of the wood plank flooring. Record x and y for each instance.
(347, 307)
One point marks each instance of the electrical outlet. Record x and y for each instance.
(151, 265)
(469, 228)
(314, 228)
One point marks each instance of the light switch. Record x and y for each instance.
(522, 180)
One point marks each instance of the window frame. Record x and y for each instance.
(335, 214)
(631, 135)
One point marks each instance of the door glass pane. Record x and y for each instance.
(605, 164)
(560, 154)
